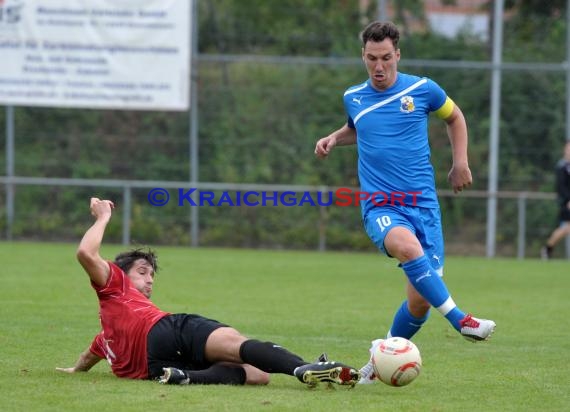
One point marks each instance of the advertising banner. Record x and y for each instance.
(99, 54)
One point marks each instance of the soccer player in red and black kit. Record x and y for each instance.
(140, 341)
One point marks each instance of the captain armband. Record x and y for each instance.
(446, 109)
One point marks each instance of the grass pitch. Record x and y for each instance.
(308, 302)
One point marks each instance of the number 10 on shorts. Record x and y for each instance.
(383, 222)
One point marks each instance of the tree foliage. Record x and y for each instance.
(258, 122)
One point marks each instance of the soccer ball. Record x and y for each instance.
(396, 361)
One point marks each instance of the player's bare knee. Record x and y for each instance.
(224, 344)
(406, 252)
(403, 245)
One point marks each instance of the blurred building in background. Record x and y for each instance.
(448, 18)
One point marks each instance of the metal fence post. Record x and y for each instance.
(323, 224)
(10, 195)
(494, 131)
(194, 128)
(521, 244)
(126, 215)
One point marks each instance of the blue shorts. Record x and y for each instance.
(424, 223)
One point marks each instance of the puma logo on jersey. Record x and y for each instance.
(354, 99)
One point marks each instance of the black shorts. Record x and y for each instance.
(564, 214)
(179, 341)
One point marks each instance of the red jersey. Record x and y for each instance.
(126, 318)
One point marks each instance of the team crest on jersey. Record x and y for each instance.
(407, 104)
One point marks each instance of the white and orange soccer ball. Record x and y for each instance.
(396, 361)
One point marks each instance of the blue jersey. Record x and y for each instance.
(392, 140)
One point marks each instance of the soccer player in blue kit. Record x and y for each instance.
(388, 121)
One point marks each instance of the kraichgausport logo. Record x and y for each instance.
(342, 197)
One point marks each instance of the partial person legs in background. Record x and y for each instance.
(556, 236)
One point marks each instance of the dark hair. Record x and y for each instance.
(377, 31)
(126, 260)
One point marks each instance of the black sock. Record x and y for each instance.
(217, 374)
(269, 357)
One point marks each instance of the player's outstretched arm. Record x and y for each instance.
(342, 137)
(460, 175)
(88, 251)
(86, 361)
